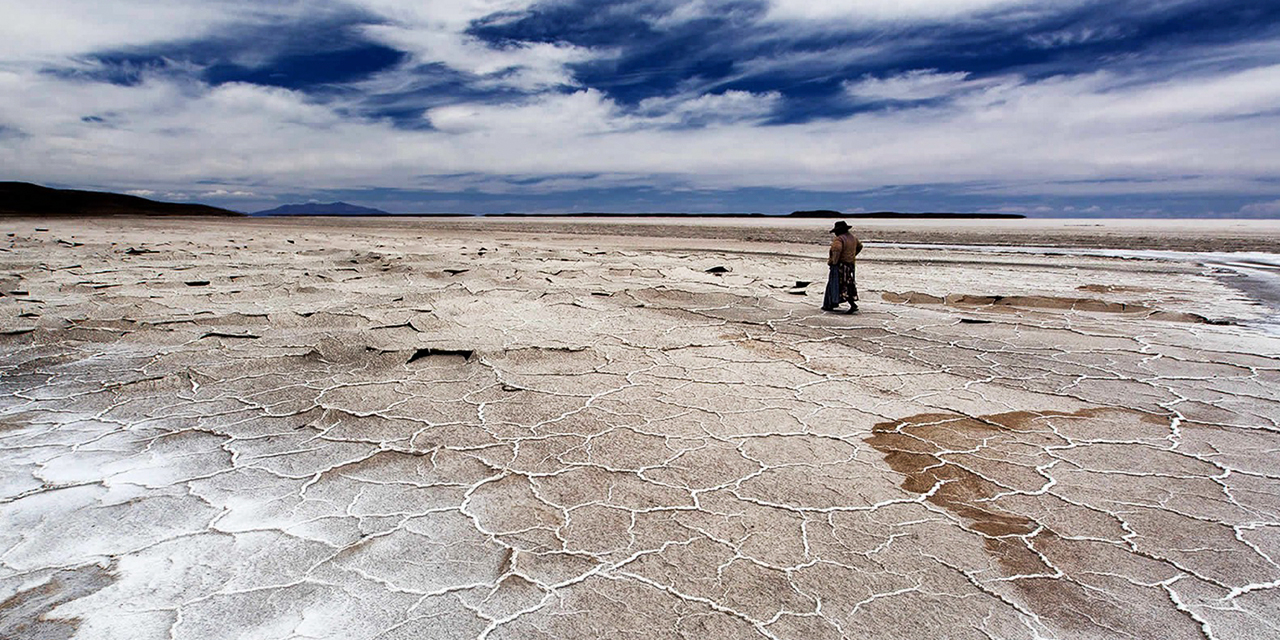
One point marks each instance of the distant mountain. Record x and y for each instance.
(322, 209)
(25, 199)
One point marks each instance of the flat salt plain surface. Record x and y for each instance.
(518, 428)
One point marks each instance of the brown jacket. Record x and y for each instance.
(844, 248)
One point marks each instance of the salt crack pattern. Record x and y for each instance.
(343, 435)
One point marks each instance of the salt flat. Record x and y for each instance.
(516, 429)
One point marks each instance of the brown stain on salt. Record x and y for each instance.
(23, 615)
(914, 447)
(917, 447)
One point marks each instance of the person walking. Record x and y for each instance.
(841, 285)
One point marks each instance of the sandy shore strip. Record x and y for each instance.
(512, 428)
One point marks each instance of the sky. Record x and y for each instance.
(1068, 108)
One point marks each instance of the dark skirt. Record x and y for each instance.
(848, 284)
(841, 286)
(832, 298)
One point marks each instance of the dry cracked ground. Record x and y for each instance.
(269, 430)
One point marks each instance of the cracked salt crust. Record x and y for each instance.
(405, 432)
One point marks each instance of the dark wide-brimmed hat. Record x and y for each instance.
(840, 227)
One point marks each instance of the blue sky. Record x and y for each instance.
(1050, 108)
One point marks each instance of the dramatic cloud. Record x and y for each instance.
(435, 33)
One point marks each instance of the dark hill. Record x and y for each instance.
(322, 209)
(22, 198)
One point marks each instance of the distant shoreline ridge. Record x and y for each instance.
(19, 198)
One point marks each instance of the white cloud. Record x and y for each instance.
(454, 15)
(1076, 36)
(53, 30)
(152, 194)
(1023, 209)
(1088, 134)
(818, 12)
(57, 28)
(228, 194)
(585, 112)
(589, 112)
(898, 10)
(523, 66)
(729, 106)
(434, 31)
(918, 84)
(1242, 93)
(1261, 209)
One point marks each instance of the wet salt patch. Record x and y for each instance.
(1255, 273)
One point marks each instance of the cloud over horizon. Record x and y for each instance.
(1058, 108)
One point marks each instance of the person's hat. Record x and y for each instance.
(840, 227)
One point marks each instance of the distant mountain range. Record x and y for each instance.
(321, 209)
(21, 198)
(25, 199)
